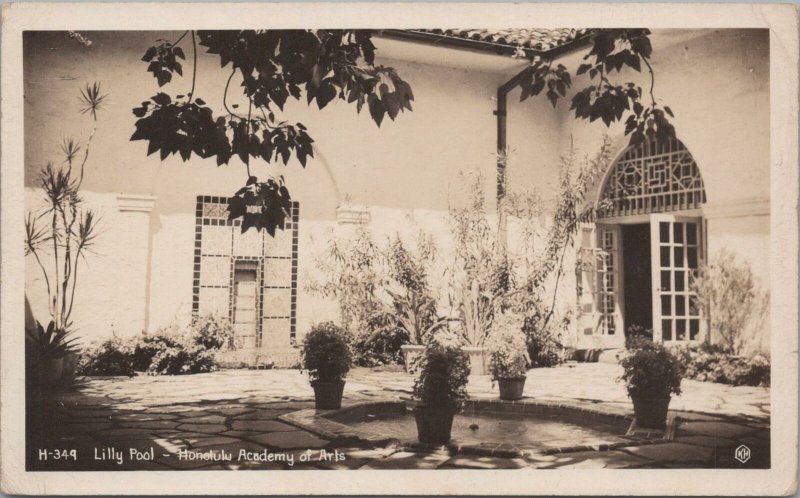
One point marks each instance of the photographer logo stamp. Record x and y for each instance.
(742, 454)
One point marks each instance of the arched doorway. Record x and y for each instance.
(638, 259)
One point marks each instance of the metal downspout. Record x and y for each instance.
(502, 142)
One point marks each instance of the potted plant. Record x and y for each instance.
(652, 374)
(326, 357)
(416, 315)
(508, 356)
(440, 389)
(49, 348)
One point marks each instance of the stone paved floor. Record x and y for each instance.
(227, 412)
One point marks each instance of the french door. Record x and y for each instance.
(600, 288)
(676, 255)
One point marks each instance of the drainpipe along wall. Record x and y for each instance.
(502, 143)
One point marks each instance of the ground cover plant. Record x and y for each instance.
(171, 350)
(709, 363)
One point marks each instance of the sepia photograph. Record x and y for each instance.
(394, 248)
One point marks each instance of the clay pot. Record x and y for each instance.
(434, 424)
(511, 389)
(478, 360)
(410, 353)
(650, 413)
(328, 395)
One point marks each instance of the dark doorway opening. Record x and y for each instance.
(636, 267)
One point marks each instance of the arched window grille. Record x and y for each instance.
(654, 177)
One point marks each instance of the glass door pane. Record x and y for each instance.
(677, 241)
(609, 288)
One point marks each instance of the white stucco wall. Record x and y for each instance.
(111, 294)
(716, 82)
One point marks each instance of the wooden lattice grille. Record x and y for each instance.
(655, 177)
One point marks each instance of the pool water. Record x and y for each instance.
(521, 430)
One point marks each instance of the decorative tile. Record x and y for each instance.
(280, 245)
(275, 332)
(216, 240)
(277, 302)
(215, 271)
(249, 243)
(214, 301)
(277, 272)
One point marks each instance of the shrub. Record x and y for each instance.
(636, 336)
(352, 275)
(110, 357)
(413, 306)
(175, 351)
(482, 273)
(443, 376)
(212, 332)
(170, 350)
(326, 353)
(508, 355)
(544, 346)
(380, 348)
(651, 371)
(732, 298)
(148, 346)
(181, 359)
(711, 363)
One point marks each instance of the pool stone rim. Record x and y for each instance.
(322, 424)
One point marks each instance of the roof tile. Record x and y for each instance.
(529, 38)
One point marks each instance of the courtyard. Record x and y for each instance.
(120, 423)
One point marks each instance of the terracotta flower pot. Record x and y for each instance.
(433, 424)
(410, 353)
(328, 395)
(650, 412)
(478, 360)
(511, 389)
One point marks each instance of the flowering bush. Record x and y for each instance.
(326, 353)
(443, 376)
(651, 371)
(109, 357)
(147, 346)
(508, 356)
(170, 350)
(212, 332)
(181, 359)
(711, 364)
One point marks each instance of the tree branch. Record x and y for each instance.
(652, 80)
(194, 66)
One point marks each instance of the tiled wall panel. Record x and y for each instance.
(220, 245)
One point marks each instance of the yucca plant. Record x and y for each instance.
(50, 342)
(416, 314)
(63, 231)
